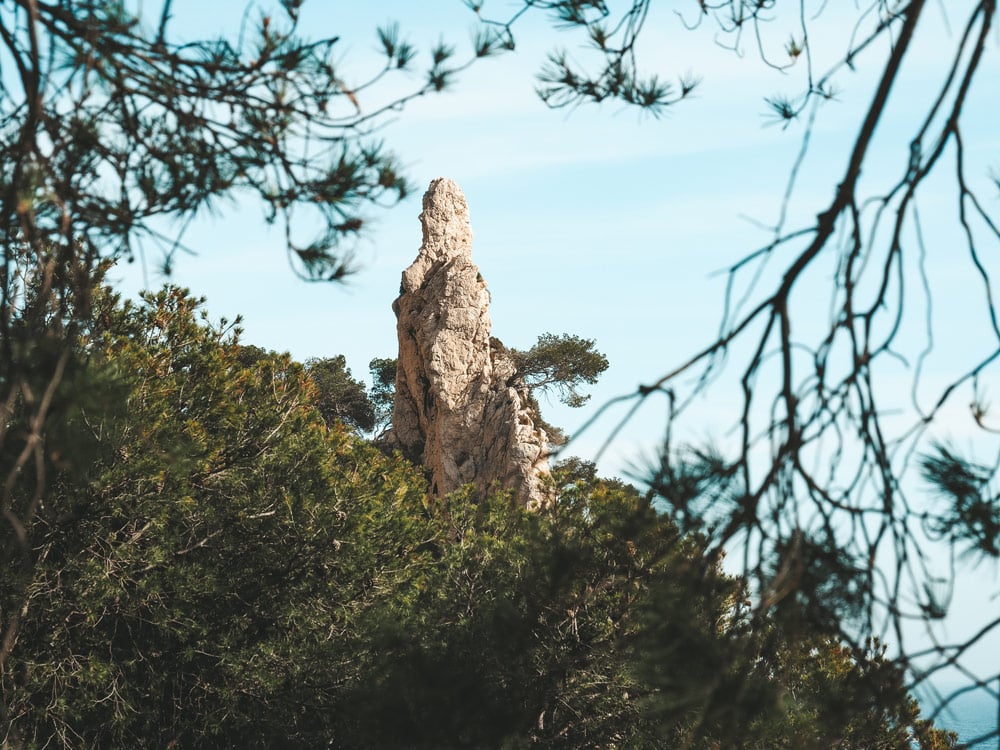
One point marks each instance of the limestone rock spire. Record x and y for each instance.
(461, 410)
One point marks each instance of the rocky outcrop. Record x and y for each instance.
(461, 410)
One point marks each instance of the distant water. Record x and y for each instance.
(971, 715)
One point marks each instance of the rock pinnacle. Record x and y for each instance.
(461, 410)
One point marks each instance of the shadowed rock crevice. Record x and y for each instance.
(460, 410)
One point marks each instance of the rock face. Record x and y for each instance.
(461, 410)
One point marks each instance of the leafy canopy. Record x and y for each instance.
(230, 570)
(115, 135)
(340, 396)
(561, 363)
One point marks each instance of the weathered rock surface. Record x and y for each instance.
(461, 410)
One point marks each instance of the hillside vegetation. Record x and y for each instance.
(225, 563)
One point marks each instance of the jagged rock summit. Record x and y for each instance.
(461, 409)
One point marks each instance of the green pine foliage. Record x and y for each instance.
(192, 586)
(341, 397)
(230, 569)
(561, 363)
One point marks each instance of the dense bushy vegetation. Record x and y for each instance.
(217, 564)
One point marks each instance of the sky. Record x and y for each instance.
(602, 221)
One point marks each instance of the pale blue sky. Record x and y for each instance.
(602, 222)
(599, 222)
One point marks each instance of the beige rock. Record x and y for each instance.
(461, 410)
